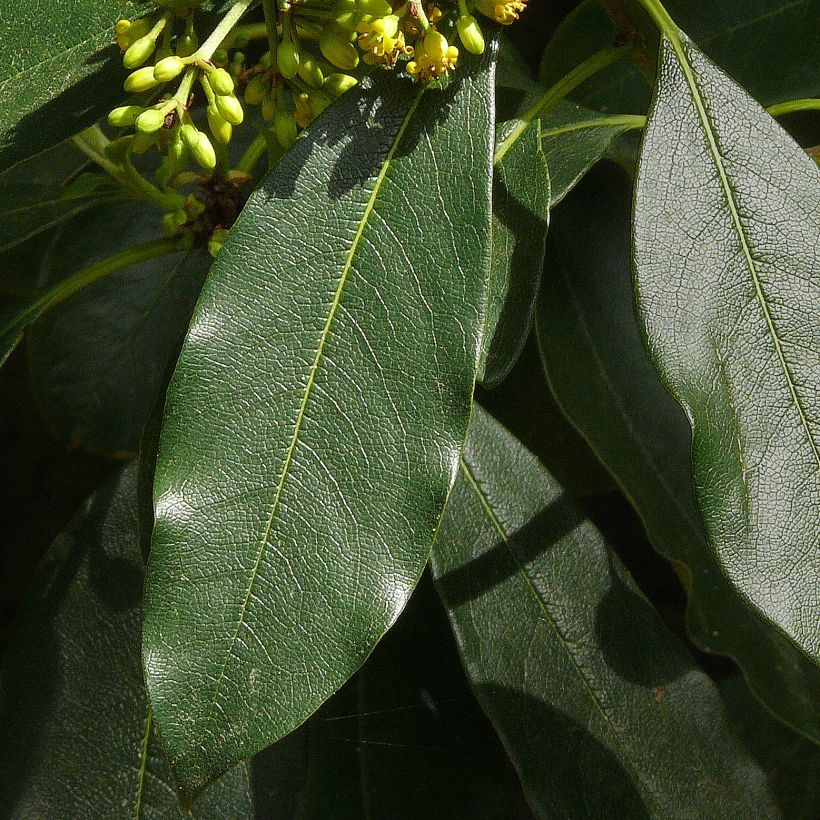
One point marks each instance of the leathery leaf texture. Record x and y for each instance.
(602, 711)
(76, 735)
(727, 253)
(313, 425)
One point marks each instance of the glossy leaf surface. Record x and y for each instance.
(98, 359)
(521, 201)
(60, 71)
(77, 739)
(602, 711)
(727, 252)
(313, 424)
(603, 379)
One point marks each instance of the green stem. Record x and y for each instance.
(660, 16)
(163, 200)
(249, 31)
(85, 277)
(631, 122)
(568, 83)
(794, 105)
(223, 29)
(269, 10)
(92, 143)
(253, 153)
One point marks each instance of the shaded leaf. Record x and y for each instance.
(98, 359)
(76, 733)
(313, 424)
(60, 71)
(726, 250)
(762, 43)
(601, 710)
(521, 201)
(604, 381)
(574, 138)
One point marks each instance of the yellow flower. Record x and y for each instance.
(434, 57)
(504, 13)
(381, 41)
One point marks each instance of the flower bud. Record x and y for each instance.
(199, 146)
(138, 52)
(173, 221)
(378, 8)
(284, 126)
(338, 50)
(150, 121)
(318, 102)
(167, 69)
(336, 84)
(469, 33)
(287, 58)
(310, 71)
(231, 109)
(220, 127)
(187, 44)
(140, 80)
(221, 82)
(124, 116)
(220, 57)
(217, 240)
(435, 44)
(269, 107)
(256, 89)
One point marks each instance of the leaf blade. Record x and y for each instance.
(718, 346)
(334, 440)
(569, 661)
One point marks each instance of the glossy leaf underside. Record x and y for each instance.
(727, 253)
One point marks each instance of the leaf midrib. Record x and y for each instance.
(674, 40)
(363, 222)
(499, 528)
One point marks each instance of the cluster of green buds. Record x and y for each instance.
(305, 54)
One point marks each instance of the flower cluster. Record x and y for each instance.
(292, 66)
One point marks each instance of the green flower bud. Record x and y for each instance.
(122, 26)
(221, 82)
(378, 8)
(217, 240)
(187, 44)
(220, 57)
(470, 34)
(319, 101)
(150, 121)
(138, 52)
(140, 80)
(287, 58)
(124, 116)
(284, 126)
(167, 69)
(231, 109)
(310, 71)
(162, 53)
(220, 127)
(199, 146)
(336, 84)
(256, 89)
(338, 50)
(173, 221)
(265, 60)
(269, 107)
(142, 142)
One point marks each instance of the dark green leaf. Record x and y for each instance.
(574, 138)
(98, 359)
(601, 375)
(521, 201)
(76, 732)
(603, 713)
(60, 71)
(41, 192)
(763, 43)
(791, 763)
(726, 250)
(313, 424)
